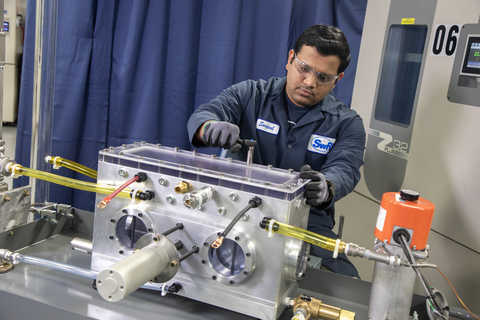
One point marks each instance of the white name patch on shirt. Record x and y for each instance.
(320, 144)
(266, 126)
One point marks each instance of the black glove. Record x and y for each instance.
(317, 191)
(220, 134)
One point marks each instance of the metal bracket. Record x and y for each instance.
(52, 211)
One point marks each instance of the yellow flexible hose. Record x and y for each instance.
(64, 181)
(307, 236)
(72, 165)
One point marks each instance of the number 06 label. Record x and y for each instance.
(444, 39)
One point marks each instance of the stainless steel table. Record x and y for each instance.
(32, 292)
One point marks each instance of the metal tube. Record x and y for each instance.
(85, 273)
(82, 245)
(178, 226)
(157, 261)
(194, 250)
(392, 289)
(56, 266)
(250, 155)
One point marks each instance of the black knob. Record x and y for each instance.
(409, 195)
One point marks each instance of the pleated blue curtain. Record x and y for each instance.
(134, 70)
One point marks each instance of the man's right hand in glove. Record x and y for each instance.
(219, 134)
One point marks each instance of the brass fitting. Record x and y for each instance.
(183, 187)
(306, 308)
(217, 243)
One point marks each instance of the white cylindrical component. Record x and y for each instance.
(82, 245)
(392, 290)
(158, 260)
(197, 199)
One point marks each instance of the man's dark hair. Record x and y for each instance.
(328, 40)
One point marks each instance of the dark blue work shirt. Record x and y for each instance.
(330, 137)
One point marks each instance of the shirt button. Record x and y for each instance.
(289, 146)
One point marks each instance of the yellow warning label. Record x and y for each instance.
(408, 20)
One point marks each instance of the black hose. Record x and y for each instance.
(252, 203)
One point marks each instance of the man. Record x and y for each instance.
(297, 124)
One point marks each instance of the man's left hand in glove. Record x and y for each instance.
(318, 191)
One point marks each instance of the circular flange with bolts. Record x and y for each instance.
(123, 215)
(236, 249)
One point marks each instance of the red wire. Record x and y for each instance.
(107, 199)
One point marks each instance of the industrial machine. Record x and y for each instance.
(199, 195)
(192, 224)
(11, 47)
(416, 89)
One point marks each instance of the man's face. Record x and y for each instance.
(310, 76)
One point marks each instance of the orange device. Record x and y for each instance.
(405, 210)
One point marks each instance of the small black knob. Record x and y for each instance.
(409, 195)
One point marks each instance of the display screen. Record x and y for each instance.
(471, 61)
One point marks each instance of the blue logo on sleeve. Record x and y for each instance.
(320, 144)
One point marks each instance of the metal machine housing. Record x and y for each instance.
(268, 272)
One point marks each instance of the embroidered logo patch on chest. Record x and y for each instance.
(320, 144)
(266, 126)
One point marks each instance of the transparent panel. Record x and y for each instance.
(218, 165)
(400, 73)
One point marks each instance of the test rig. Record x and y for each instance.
(205, 228)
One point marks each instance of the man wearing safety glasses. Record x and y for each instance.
(297, 124)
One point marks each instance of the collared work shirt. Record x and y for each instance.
(330, 137)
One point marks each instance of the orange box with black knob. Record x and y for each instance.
(407, 210)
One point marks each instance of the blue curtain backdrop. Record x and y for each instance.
(134, 70)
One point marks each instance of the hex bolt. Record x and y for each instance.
(222, 211)
(170, 199)
(163, 182)
(123, 173)
(233, 196)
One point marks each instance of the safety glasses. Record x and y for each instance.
(304, 69)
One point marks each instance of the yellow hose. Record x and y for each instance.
(64, 181)
(307, 236)
(72, 165)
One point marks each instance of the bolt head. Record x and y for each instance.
(222, 211)
(170, 199)
(163, 182)
(233, 196)
(123, 173)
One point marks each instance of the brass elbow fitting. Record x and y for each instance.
(183, 187)
(306, 308)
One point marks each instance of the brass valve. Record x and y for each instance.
(305, 308)
(183, 187)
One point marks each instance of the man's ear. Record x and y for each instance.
(340, 76)
(289, 58)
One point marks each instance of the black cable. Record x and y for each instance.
(411, 260)
(252, 203)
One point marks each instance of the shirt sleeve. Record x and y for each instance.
(342, 166)
(227, 106)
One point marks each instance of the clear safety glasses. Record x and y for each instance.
(304, 69)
